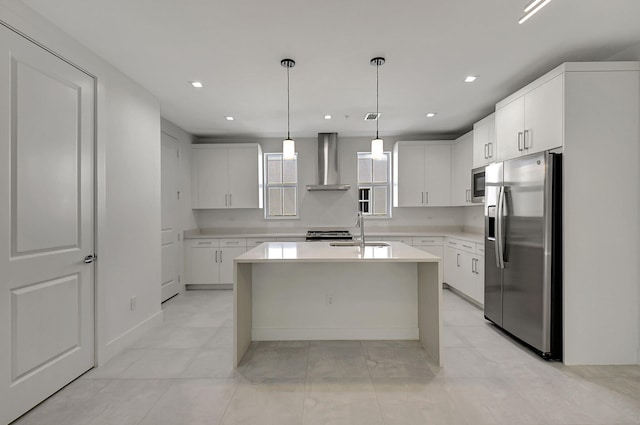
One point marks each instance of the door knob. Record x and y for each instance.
(90, 259)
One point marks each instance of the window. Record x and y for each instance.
(281, 177)
(374, 184)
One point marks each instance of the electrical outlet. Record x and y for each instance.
(132, 303)
(329, 299)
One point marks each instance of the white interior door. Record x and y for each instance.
(170, 244)
(46, 224)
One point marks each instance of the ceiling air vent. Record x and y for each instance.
(372, 116)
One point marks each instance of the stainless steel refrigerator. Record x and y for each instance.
(523, 250)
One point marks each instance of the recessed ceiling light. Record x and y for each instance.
(327, 117)
(197, 84)
(470, 79)
(229, 118)
(431, 114)
(532, 8)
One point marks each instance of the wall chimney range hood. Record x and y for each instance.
(328, 171)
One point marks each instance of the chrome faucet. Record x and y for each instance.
(360, 224)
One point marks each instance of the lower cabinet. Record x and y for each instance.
(464, 268)
(210, 261)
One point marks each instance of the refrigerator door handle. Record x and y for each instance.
(500, 237)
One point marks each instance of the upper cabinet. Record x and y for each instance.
(532, 119)
(461, 153)
(422, 174)
(484, 141)
(226, 176)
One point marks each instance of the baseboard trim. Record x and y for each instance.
(297, 334)
(191, 287)
(125, 340)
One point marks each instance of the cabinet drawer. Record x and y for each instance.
(461, 245)
(253, 242)
(406, 239)
(233, 243)
(427, 240)
(204, 243)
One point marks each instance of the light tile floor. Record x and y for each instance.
(181, 373)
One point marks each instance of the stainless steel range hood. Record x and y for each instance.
(328, 171)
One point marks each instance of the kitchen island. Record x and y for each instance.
(315, 291)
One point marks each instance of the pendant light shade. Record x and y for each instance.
(377, 145)
(288, 149)
(377, 148)
(288, 145)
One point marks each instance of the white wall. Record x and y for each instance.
(632, 53)
(186, 216)
(473, 219)
(325, 208)
(127, 188)
(601, 224)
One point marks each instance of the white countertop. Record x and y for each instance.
(322, 252)
(372, 232)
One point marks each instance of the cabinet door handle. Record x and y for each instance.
(221, 256)
(458, 260)
(216, 255)
(427, 197)
(230, 200)
(520, 141)
(526, 132)
(422, 202)
(486, 150)
(226, 200)
(473, 265)
(490, 150)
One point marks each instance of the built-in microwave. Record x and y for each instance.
(477, 185)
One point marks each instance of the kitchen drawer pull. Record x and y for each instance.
(204, 243)
(467, 246)
(232, 242)
(453, 243)
(428, 241)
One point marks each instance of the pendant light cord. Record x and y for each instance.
(377, 96)
(288, 107)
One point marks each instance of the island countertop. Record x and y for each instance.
(308, 252)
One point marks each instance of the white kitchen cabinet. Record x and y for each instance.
(226, 176)
(532, 120)
(461, 163)
(211, 260)
(203, 264)
(430, 244)
(422, 174)
(484, 141)
(464, 268)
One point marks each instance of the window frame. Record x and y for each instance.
(372, 185)
(267, 186)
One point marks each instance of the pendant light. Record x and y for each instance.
(377, 145)
(288, 145)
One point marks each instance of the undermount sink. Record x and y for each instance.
(356, 243)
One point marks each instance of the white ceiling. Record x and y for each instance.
(234, 47)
